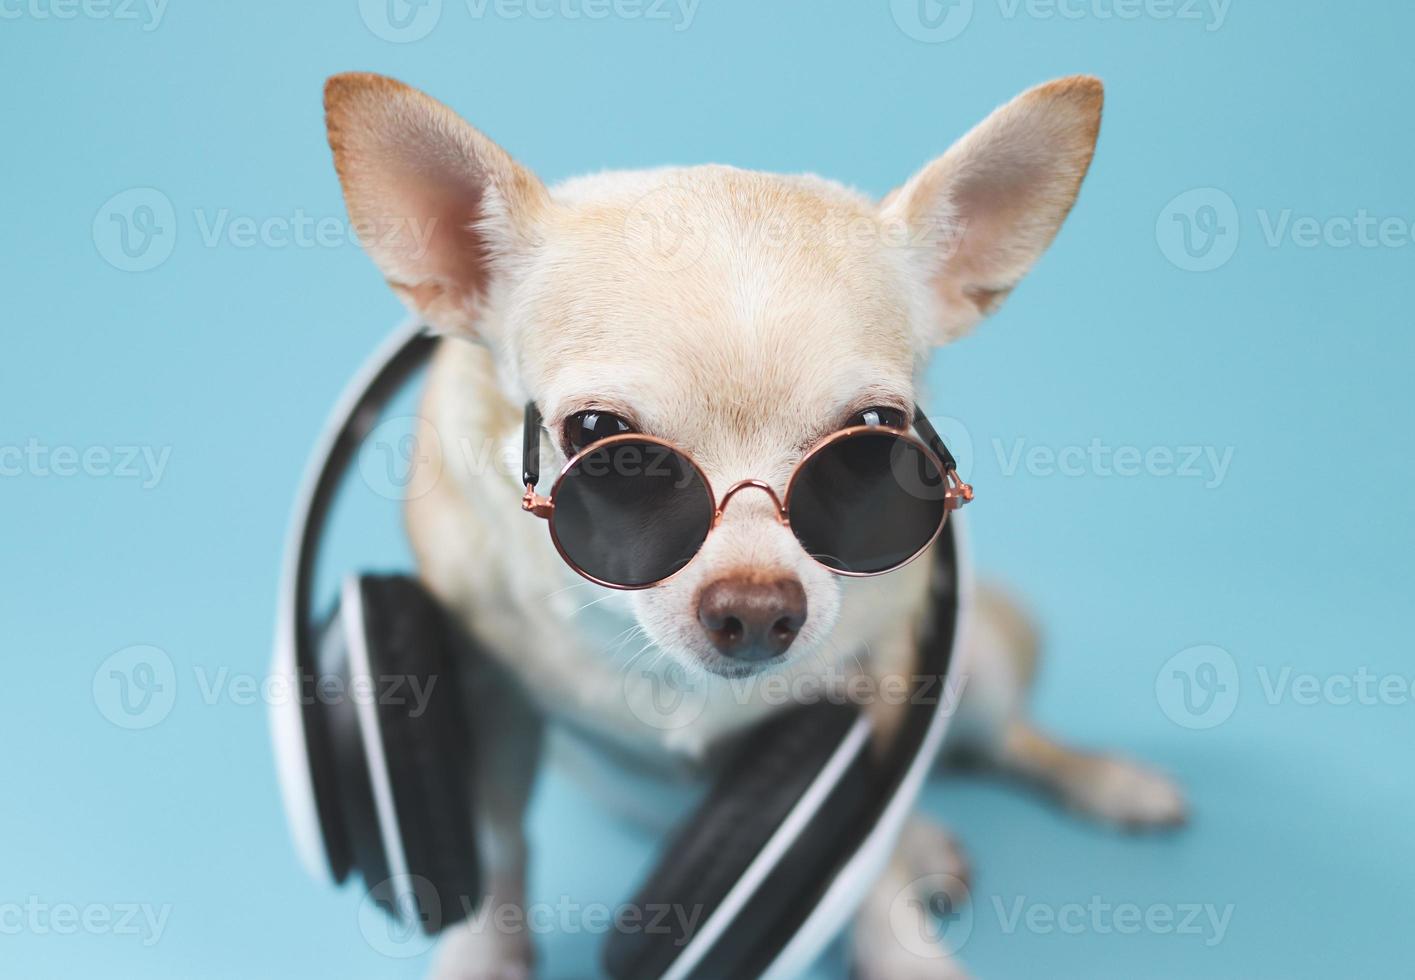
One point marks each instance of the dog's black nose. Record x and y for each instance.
(751, 618)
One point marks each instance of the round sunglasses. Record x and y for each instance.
(631, 511)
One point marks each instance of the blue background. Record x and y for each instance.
(1298, 357)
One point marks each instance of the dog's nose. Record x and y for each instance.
(752, 619)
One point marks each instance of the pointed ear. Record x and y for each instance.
(438, 206)
(987, 208)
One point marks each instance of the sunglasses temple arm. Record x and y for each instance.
(933, 440)
(959, 493)
(530, 463)
(530, 446)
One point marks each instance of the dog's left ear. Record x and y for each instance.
(982, 213)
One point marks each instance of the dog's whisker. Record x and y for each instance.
(592, 602)
(561, 591)
(634, 659)
(623, 639)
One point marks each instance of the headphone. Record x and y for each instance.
(779, 854)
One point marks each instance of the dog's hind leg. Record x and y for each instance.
(992, 732)
(1104, 787)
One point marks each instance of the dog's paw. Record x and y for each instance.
(917, 916)
(474, 955)
(900, 964)
(505, 970)
(1127, 795)
(930, 849)
(493, 971)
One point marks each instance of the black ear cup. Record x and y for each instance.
(398, 752)
(748, 805)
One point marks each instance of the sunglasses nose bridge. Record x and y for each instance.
(743, 485)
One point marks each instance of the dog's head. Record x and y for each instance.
(740, 316)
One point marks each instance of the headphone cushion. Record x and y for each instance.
(711, 852)
(412, 648)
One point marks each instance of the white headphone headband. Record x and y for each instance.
(354, 415)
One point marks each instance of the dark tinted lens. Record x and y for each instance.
(867, 502)
(631, 513)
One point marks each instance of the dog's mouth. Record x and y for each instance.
(732, 668)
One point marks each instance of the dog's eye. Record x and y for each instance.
(585, 428)
(879, 415)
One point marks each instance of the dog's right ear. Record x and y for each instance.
(438, 206)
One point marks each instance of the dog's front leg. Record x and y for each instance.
(903, 930)
(495, 943)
